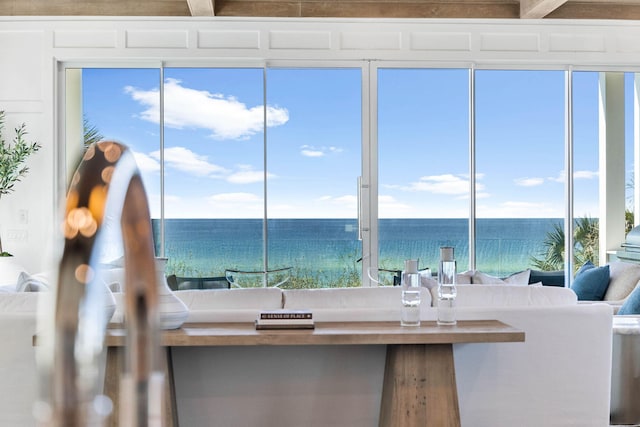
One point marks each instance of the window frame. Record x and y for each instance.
(368, 191)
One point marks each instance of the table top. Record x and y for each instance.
(330, 333)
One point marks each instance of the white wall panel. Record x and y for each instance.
(218, 39)
(440, 41)
(576, 43)
(300, 40)
(157, 39)
(21, 59)
(370, 40)
(510, 42)
(95, 39)
(628, 43)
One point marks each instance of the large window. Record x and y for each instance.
(520, 136)
(313, 162)
(255, 170)
(423, 165)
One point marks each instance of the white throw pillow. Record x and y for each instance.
(113, 277)
(35, 283)
(520, 278)
(428, 281)
(623, 278)
(465, 277)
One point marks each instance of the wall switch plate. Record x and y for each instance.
(23, 216)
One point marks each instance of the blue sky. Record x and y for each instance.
(214, 140)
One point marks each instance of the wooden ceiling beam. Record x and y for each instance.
(201, 7)
(478, 9)
(93, 8)
(370, 8)
(536, 9)
(597, 10)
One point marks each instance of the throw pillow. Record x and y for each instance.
(519, 278)
(27, 283)
(464, 278)
(632, 304)
(623, 280)
(590, 284)
(427, 280)
(113, 277)
(586, 266)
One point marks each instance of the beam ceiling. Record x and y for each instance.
(481, 9)
(531, 9)
(201, 7)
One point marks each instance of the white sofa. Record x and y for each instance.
(560, 375)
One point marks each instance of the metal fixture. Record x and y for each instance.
(105, 188)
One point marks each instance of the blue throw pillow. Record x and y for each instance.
(590, 284)
(586, 266)
(632, 304)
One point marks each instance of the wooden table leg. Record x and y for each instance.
(419, 387)
(171, 407)
(113, 371)
(115, 362)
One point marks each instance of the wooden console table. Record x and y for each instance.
(419, 379)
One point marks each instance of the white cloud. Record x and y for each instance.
(390, 207)
(529, 182)
(146, 163)
(444, 184)
(185, 160)
(348, 200)
(224, 116)
(582, 174)
(585, 174)
(246, 175)
(309, 151)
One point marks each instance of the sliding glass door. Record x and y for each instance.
(254, 171)
(423, 166)
(520, 145)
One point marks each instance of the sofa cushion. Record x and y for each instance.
(32, 283)
(520, 278)
(23, 303)
(511, 296)
(632, 304)
(114, 277)
(220, 305)
(465, 277)
(430, 281)
(624, 276)
(590, 283)
(352, 304)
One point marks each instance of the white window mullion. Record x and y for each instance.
(472, 169)
(636, 149)
(369, 181)
(568, 185)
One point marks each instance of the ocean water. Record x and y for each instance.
(327, 251)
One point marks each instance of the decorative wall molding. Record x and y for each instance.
(588, 43)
